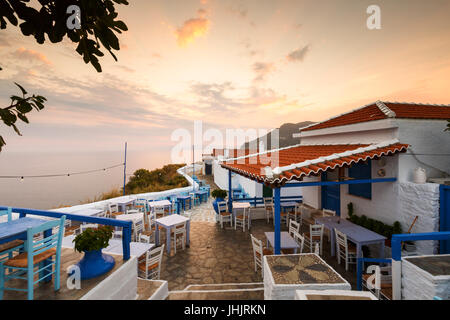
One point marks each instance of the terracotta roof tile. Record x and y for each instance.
(373, 112)
(300, 161)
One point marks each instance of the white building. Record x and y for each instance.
(376, 141)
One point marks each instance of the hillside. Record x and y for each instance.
(285, 136)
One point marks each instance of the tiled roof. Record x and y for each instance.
(279, 166)
(383, 110)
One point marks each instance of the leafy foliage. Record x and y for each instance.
(18, 109)
(375, 225)
(219, 193)
(162, 179)
(98, 24)
(93, 239)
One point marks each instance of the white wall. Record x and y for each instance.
(427, 139)
(311, 195)
(120, 285)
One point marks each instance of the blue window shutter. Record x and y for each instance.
(361, 171)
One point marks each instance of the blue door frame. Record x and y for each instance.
(444, 217)
(331, 196)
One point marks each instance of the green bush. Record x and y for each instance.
(93, 239)
(374, 225)
(219, 193)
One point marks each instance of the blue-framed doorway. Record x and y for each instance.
(331, 195)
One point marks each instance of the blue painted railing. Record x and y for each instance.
(126, 225)
(360, 268)
(396, 244)
(397, 240)
(254, 201)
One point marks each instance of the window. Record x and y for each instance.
(361, 171)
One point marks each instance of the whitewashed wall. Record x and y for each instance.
(184, 171)
(417, 284)
(431, 144)
(120, 285)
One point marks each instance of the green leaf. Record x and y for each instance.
(21, 88)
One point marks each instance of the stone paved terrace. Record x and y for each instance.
(217, 256)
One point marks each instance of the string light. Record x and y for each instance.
(61, 175)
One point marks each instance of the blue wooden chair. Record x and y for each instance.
(7, 249)
(37, 259)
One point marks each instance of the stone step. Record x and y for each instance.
(154, 289)
(224, 286)
(233, 294)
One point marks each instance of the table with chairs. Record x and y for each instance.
(37, 258)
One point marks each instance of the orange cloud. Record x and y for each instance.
(31, 55)
(192, 29)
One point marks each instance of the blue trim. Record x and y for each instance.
(277, 231)
(444, 216)
(332, 183)
(396, 242)
(230, 192)
(126, 225)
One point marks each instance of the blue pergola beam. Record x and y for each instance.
(277, 210)
(230, 192)
(126, 225)
(333, 183)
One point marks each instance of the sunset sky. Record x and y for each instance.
(231, 64)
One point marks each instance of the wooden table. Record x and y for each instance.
(168, 222)
(16, 229)
(131, 217)
(182, 199)
(287, 242)
(356, 234)
(123, 204)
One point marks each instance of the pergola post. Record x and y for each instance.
(277, 231)
(230, 192)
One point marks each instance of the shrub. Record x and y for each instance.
(219, 193)
(93, 239)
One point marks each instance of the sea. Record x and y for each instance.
(55, 192)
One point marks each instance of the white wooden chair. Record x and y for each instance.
(344, 249)
(178, 234)
(300, 241)
(296, 215)
(149, 265)
(138, 228)
(159, 212)
(145, 238)
(268, 206)
(86, 226)
(117, 234)
(314, 236)
(224, 215)
(141, 205)
(259, 252)
(328, 213)
(241, 219)
(293, 227)
(132, 211)
(113, 210)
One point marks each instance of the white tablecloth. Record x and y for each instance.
(159, 203)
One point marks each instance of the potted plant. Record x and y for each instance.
(91, 241)
(219, 195)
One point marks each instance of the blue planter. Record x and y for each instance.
(215, 204)
(94, 264)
